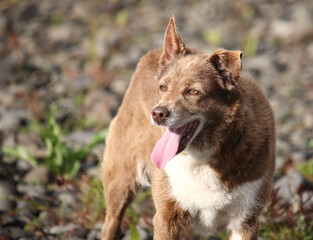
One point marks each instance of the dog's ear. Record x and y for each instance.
(173, 46)
(228, 63)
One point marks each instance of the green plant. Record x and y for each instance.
(135, 211)
(92, 206)
(306, 168)
(60, 158)
(284, 221)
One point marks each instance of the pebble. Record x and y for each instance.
(95, 233)
(23, 166)
(17, 233)
(45, 218)
(31, 190)
(39, 174)
(7, 192)
(119, 86)
(103, 110)
(12, 119)
(288, 185)
(68, 199)
(76, 229)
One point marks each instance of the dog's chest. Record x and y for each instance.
(197, 189)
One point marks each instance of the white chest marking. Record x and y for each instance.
(198, 190)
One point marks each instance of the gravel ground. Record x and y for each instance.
(80, 55)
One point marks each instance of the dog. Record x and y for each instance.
(201, 134)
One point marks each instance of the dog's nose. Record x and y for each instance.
(159, 114)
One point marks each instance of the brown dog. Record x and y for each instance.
(212, 146)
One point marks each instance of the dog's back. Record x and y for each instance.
(133, 119)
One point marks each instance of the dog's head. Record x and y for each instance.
(196, 92)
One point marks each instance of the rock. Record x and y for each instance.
(119, 86)
(11, 119)
(95, 233)
(7, 192)
(99, 106)
(17, 233)
(291, 185)
(5, 233)
(298, 156)
(94, 171)
(12, 233)
(45, 218)
(39, 174)
(31, 190)
(79, 139)
(64, 212)
(62, 33)
(68, 199)
(76, 230)
(23, 166)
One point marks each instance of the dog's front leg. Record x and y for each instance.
(170, 220)
(248, 231)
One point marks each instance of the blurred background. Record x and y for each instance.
(64, 68)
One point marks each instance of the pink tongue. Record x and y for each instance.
(167, 146)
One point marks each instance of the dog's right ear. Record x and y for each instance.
(173, 46)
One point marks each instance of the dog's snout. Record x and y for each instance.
(159, 114)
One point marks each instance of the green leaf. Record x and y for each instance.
(72, 172)
(49, 147)
(20, 152)
(122, 17)
(134, 234)
(59, 154)
(97, 139)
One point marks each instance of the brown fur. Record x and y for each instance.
(239, 125)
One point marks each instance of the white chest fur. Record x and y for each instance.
(198, 190)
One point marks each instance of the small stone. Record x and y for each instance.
(94, 235)
(64, 212)
(25, 216)
(31, 190)
(94, 171)
(119, 86)
(68, 199)
(79, 139)
(7, 192)
(77, 229)
(61, 33)
(288, 185)
(5, 233)
(23, 166)
(102, 111)
(38, 174)
(298, 156)
(10, 120)
(17, 233)
(45, 218)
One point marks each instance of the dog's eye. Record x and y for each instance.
(163, 88)
(193, 91)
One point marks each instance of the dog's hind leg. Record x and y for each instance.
(119, 190)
